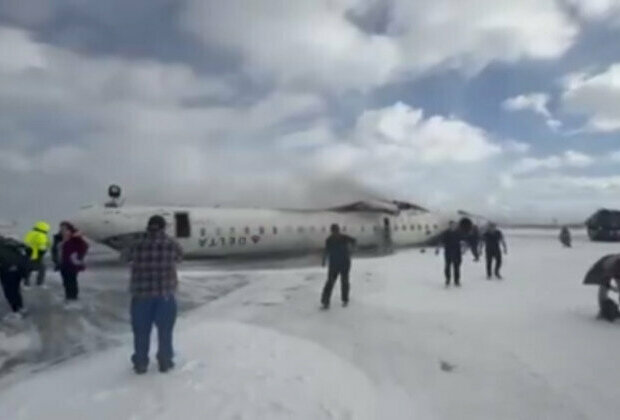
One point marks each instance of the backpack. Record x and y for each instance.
(609, 310)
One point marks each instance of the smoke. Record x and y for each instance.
(280, 190)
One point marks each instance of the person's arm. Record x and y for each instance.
(75, 259)
(33, 246)
(352, 242)
(179, 252)
(325, 253)
(440, 243)
(127, 253)
(503, 242)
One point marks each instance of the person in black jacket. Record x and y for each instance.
(451, 240)
(492, 240)
(473, 240)
(14, 266)
(56, 246)
(338, 253)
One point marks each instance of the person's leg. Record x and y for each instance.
(8, 289)
(345, 286)
(72, 287)
(165, 317)
(64, 274)
(474, 249)
(457, 272)
(498, 264)
(41, 269)
(76, 287)
(447, 269)
(16, 280)
(332, 274)
(15, 293)
(489, 261)
(141, 324)
(32, 267)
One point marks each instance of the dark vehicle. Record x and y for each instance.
(604, 225)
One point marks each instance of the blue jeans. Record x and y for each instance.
(146, 311)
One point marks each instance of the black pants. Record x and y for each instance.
(69, 281)
(493, 256)
(453, 264)
(37, 266)
(334, 271)
(11, 287)
(475, 247)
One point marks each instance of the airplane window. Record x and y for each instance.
(300, 229)
(344, 228)
(232, 230)
(261, 230)
(312, 229)
(404, 227)
(203, 232)
(275, 230)
(246, 230)
(323, 229)
(412, 227)
(419, 227)
(435, 227)
(395, 227)
(362, 228)
(218, 231)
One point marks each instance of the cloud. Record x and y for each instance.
(597, 9)
(569, 159)
(597, 96)
(433, 140)
(517, 146)
(326, 44)
(535, 102)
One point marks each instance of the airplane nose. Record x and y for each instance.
(83, 220)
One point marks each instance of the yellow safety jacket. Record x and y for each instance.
(37, 239)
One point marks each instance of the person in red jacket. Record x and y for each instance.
(72, 253)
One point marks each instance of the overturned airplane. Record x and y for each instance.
(207, 232)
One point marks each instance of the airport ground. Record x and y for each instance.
(252, 343)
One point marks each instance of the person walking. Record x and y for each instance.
(565, 237)
(73, 249)
(492, 239)
(14, 265)
(337, 252)
(451, 240)
(153, 286)
(38, 242)
(473, 240)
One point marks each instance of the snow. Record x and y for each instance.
(525, 347)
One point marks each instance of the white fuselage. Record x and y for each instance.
(218, 232)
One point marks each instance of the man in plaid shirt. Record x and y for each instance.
(153, 285)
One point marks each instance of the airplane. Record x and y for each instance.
(209, 232)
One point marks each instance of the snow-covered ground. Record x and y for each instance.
(527, 347)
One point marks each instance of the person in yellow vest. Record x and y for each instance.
(38, 242)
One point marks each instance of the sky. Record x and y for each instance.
(507, 108)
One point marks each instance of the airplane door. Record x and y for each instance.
(182, 225)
